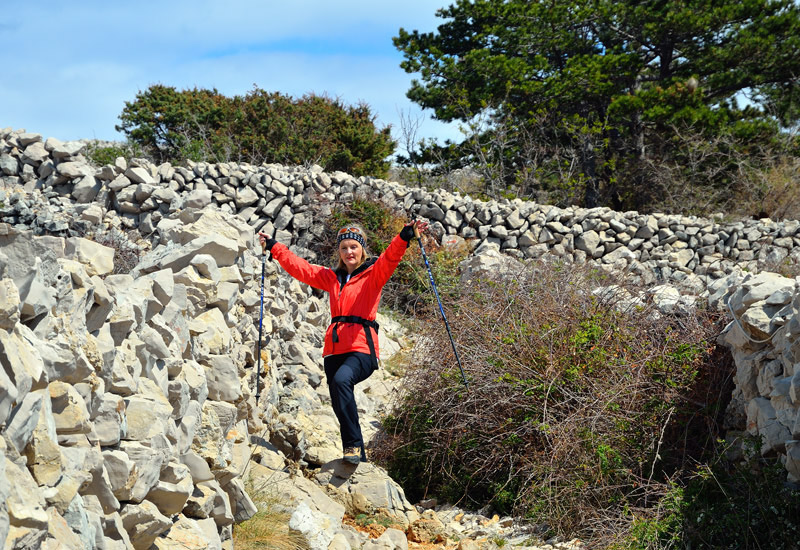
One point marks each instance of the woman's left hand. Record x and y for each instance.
(413, 229)
(420, 226)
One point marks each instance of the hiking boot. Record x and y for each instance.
(352, 455)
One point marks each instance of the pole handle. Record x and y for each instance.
(264, 248)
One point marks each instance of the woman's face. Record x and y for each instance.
(350, 251)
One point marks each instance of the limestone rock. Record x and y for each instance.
(110, 420)
(42, 451)
(147, 468)
(373, 483)
(173, 489)
(144, 523)
(189, 534)
(98, 259)
(148, 413)
(69, 409)
(316, 528)
(121, 471)
(391, 539)
(24, 419)
(223, 378)
(426, 529)
(9, 304)
(24, 502)
(762, 420)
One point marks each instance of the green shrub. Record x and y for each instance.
(261, 126)
(581, 407)
(723, 504)
(100, 155)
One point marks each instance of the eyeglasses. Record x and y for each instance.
(344, 230)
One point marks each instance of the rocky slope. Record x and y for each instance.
(127, 393)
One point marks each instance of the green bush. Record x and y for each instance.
(581, 407)
(100, 155)
(723, 504)
(199, 124)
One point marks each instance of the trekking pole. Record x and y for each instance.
(441, 308)
(261, 320)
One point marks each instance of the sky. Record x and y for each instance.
(67, 68)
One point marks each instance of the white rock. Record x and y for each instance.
(24, 502)
(86, 189)
(212, 332)
(391, 539)
(110, 420)
(9, 304)
(75, 169)
(69, 409)
(762, 420)
(138, 174)
(148, 413)
(98, 259)
(144, 523)
(316, 528)
(198, 468)
(24, 419)
(189, 534)
(173, 489)
(43, 453)
(223, 378)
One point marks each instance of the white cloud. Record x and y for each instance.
(73, 65)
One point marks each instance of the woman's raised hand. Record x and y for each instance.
(413, 229)
(266, 241)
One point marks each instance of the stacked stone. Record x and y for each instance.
(763, 338)
(123, 397)
(284, 200)
(126, 399)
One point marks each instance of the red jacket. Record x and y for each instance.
(358, 296)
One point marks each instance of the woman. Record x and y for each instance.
(351, 341)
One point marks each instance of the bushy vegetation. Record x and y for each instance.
(724, 504)
(268, 529)
(582, 407)
(261, 126)
(100, 153)
(623, 104)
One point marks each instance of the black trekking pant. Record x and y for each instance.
(343, 372)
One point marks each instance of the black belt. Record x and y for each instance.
(366, 323)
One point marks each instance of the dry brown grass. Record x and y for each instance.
(269, 528)
(581, 408)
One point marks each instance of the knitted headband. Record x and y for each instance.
(351, 233)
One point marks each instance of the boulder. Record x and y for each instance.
(26, 507)
(391, 539)
(212, 333)
(9, 304)
(144, 523)
(189, 534)
(173, 489)
(223, 378)
(762, 421)
(370, 483)
(69, 409)
(24, 419)
(148, 413)
(316, 528)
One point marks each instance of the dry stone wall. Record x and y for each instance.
(145, 379)
(685, 250)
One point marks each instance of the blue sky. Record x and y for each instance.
(67, 68)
